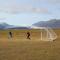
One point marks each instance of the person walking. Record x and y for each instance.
(28, 35)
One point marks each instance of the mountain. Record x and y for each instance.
(3, 25)
(7, 26)
(53, 23)
(19, 28)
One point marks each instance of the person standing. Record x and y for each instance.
(10, 34)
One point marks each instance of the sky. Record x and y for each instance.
(28, 12)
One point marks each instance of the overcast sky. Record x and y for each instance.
(27, 12)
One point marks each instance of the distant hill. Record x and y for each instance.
(7, 26)
(19, 27)
(53, 23)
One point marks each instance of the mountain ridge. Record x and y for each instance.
(53, 23)
(7, 26)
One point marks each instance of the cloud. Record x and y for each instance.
(2, 18)
(54, 1)
(15, 8)
(49, 1)
(40, 10)
(20, 9)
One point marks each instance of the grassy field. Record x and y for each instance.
(20, 48)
